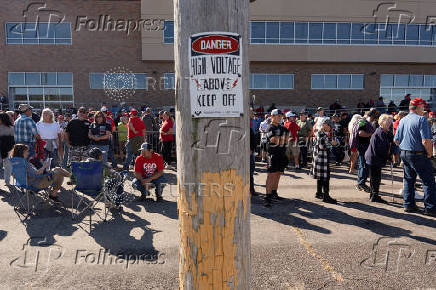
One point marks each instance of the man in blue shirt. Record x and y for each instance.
(414, 138)
(25, 128)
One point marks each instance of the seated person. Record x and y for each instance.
(95, 154)
(111, 178)
(36, 177)
(148, 172)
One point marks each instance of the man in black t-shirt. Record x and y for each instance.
(76, 137)
(277, 160)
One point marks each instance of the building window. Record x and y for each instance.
(100, 81)
(332, 33)
(168, 32)
(337, 81)
(169, 81)
(271, 81)
(339, 33)
(38, 33)
(41, 89)
(396, 86)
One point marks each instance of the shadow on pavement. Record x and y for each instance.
(47, 220)
(165, 207)
(287, 211)
(127, 234)
(3, 234)
(281, 212)
(412, 218)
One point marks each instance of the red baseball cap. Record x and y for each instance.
(417, 102)
(133, 112)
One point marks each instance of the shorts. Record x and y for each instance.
(264, 146)
(277, 162)
(292, 149)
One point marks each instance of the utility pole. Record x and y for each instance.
(212, 135)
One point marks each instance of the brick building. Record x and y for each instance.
(302, 53)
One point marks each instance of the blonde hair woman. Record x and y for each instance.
(51, 133)
(377, 154)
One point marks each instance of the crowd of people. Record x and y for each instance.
(372, 138)
(140, 141)
(50, 142)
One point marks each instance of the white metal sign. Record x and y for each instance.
(215, 67)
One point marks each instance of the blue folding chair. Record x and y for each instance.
(89, 183)
(23, 191)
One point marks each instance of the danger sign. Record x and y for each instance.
(215, 75)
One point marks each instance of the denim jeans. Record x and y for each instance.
(7, 167)
(54, 155)
(252, 167)
(66, 152)
(129, 157)
(303, 156)
(111, 156)
(362, 174)
(418, 164)
(158, 183)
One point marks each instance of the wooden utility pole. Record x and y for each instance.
(212, 156)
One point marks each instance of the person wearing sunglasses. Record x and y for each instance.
(76, 137)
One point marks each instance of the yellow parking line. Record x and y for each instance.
(326, 265)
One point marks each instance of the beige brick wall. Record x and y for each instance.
(91, 51)
(303, 95)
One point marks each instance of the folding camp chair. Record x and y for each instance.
(22, 190)
(89, 184)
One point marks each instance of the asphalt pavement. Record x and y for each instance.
(300, 243)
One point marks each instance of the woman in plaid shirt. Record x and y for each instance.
(320, 167)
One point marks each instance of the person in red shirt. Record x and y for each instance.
(166, 136)
(293, 149)
(135, 136)
(149, 171)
